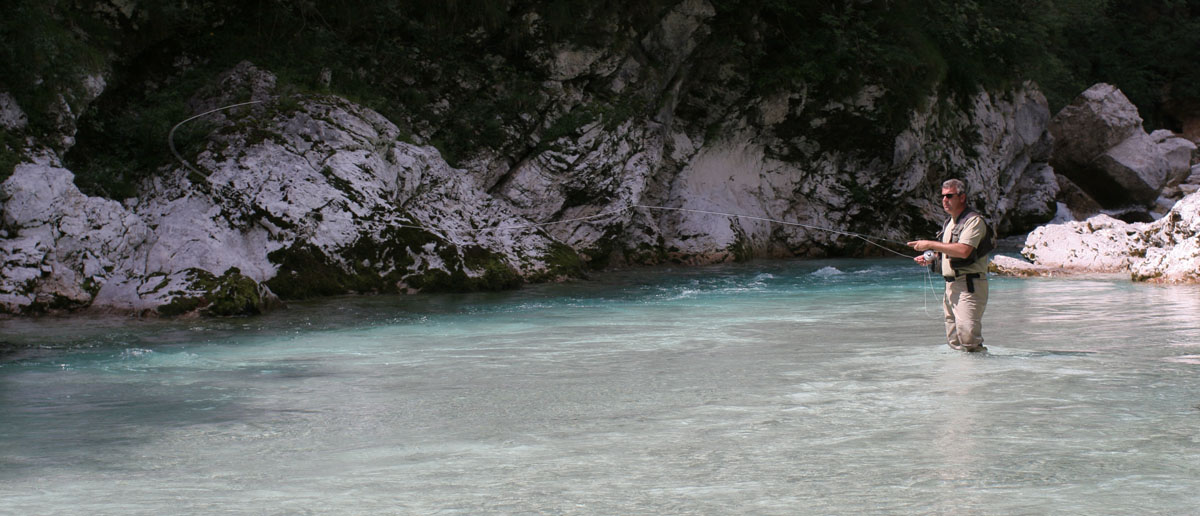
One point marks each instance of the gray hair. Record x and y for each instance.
(956, 184)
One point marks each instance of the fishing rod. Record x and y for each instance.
(872, 240)
(865, 238)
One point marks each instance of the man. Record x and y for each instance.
(964, 269)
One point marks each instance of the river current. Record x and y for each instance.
(783, 387)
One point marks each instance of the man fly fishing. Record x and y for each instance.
(962, 258)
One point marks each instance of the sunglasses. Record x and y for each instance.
(945, 195)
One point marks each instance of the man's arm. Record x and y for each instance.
(953, 250)
(972, 232)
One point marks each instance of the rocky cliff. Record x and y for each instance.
(302, 194)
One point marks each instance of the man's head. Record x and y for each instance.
(954, 197)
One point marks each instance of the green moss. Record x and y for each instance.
(55, 304)
(497, 274)
(562, 261)
(342, 185)
(180, 305)
(229, 294)
(373, 264)
(234, 294)
(438, 280)
(305, 272)
(647, 254)
(91, 286)
(740, 248)
(161, 284)
(11, 153)
(491, 273)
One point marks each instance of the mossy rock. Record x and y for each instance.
(741, 249)
(381, 264)
(230, 294)
(562, 262)
(492, 273)
(306, 272)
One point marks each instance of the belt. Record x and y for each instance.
(970, 280)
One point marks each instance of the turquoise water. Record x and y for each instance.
(799, 387)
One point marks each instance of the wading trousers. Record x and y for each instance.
(964, 312)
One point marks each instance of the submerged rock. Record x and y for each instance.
(1009, 266)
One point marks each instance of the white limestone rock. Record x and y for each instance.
(1166, 250)
(566, 62)
(321, 199)
(1136, 166)
(1101, 146)
(1177, 152)
(1172, 246)
(333, 184)
(11, 115)
(1098, 244)
(1006, 174)
(1010, 266)
(1099, 119)
(62, 245)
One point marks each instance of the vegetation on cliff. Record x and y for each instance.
(405, 58)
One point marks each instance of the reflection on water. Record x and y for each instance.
(761, 388)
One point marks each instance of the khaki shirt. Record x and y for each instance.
(972, 235)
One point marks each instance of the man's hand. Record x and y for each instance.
(921, 245)
(955, 250)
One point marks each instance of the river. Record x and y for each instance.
(777, 387)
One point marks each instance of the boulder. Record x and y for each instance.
(1098, 244)
(1166, 250)
(1137, 169)
(1078, 202)
(1172, 246)
(1177, 151)
(1099, 119)
(61, 246)
(1033, 199)
(65, 250)
(1101, 147)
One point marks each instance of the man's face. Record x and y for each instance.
(953, 201)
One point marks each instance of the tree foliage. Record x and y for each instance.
(400, 56)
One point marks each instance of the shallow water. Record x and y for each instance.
(806, 387)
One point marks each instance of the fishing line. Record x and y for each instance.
(927, 288)
(865, 238)
(171, 134)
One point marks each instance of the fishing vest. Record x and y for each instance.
(976, 262)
